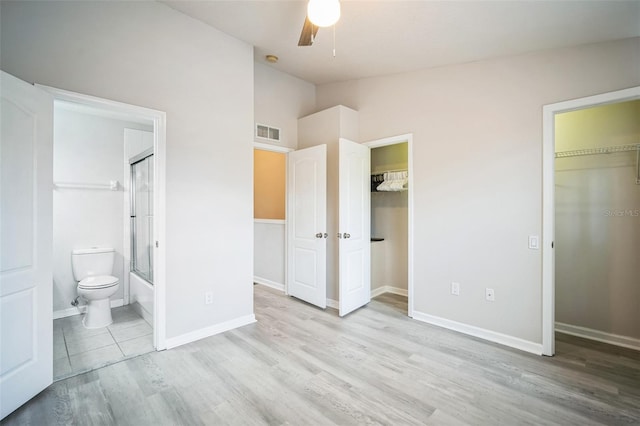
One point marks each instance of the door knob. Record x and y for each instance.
(319, 235)
(325, 235)
(347, 235)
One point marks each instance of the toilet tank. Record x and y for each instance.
(91, 262)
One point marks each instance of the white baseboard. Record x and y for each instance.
(389, 289)
(600, 336)
(209, 331)
(80, 309)
(332, 304)
(268, 283)
(492, 336)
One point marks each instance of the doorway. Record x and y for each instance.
(95, 141)
(269, 213)
(550, 113)
(392, 218)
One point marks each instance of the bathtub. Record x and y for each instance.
(141, 297)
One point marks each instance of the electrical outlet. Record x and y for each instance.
(489, 294)
(455, 289)
(208, 298)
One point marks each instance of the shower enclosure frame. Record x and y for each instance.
(133, 214)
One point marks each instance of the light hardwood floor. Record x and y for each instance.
(299, 365)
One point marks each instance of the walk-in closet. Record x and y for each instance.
(597, 187)
(389, 219)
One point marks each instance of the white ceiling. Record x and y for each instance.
(385, 37)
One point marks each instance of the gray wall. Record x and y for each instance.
(146, 54)
(279, 100)
(478, 170)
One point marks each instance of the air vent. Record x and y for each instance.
(266, 132)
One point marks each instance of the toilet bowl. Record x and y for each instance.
(92, 269)
(97, 291)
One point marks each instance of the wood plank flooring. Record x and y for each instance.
(299, 365)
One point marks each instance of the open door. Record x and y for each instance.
(354, 226)
(26, 193)
(307, 225)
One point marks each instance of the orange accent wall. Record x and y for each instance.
(269, 172)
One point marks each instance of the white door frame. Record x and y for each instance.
(159, 224)
(282, 150)
(393, 140)
(548, 199)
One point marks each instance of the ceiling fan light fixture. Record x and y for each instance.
(323, 13)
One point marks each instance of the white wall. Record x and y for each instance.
(86, 149)
(147, 54)
(477, 150)
(269, 253)
(280, 99)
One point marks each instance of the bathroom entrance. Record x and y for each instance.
(106, 174)
(87, 194)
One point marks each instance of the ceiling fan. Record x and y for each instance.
(320, 13)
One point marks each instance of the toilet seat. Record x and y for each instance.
(100, 281)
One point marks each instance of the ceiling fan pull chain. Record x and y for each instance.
(334, 40)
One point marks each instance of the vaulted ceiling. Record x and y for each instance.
(386, 37)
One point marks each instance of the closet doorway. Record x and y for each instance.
(392, 217)
(269, 211)
(591, 206)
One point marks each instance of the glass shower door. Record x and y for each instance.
(142, 217)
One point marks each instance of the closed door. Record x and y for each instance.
(306, 225)
(26, 278)
(354, 218)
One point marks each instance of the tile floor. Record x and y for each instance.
(77, 349)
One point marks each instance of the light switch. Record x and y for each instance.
(534, 242)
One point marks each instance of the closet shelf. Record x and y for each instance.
(606, 150)
(595, 151)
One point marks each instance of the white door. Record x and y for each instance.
(306, 225)
(26, 192)
(354, 229)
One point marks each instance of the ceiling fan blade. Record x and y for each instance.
(308, 33)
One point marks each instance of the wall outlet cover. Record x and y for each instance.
(490, 294)
(455, 288)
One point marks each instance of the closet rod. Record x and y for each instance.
(602, 150)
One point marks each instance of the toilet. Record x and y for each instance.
(92, 268)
